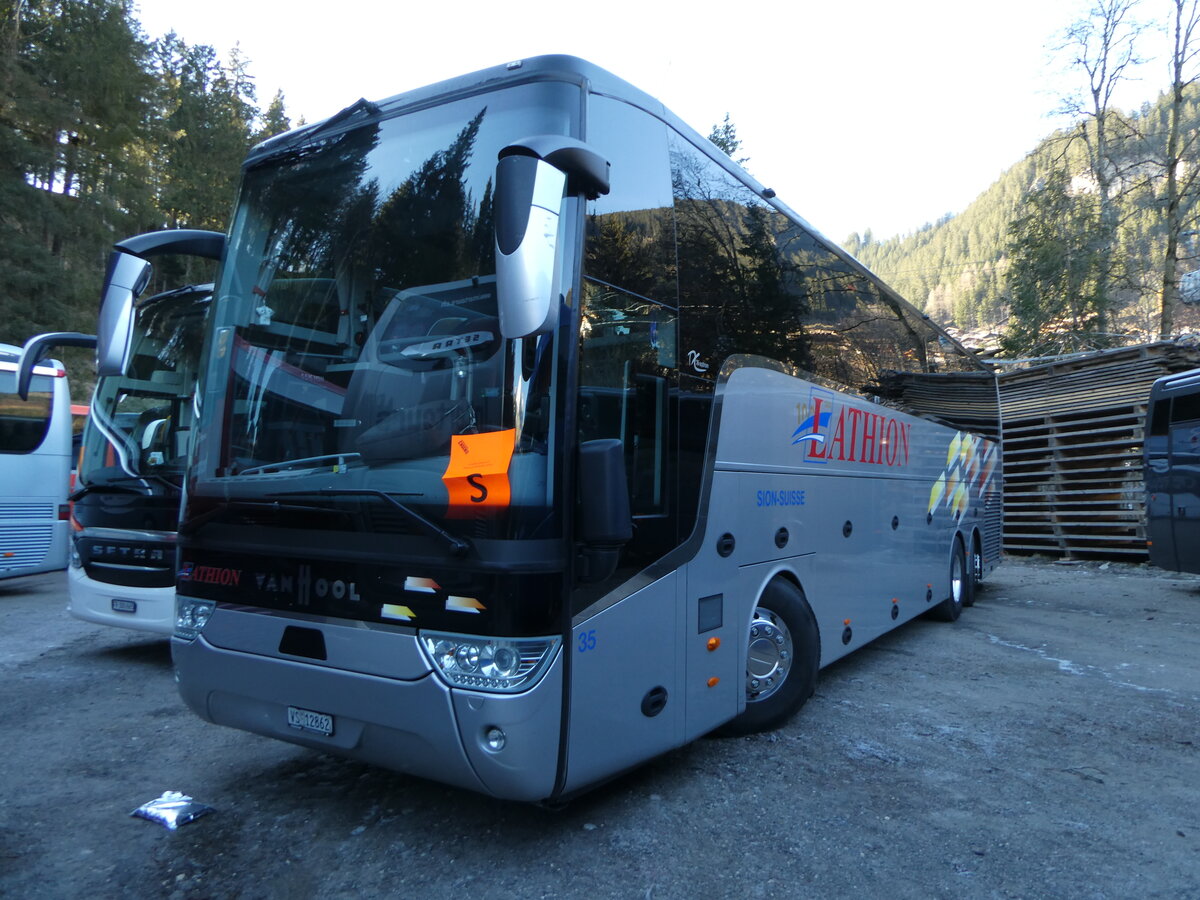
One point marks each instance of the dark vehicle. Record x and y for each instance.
(1172, 472)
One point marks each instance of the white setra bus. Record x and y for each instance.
(35, 467)
(534, 438)
(125, 506)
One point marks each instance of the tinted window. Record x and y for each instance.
(23, 423)
(737, 291)
(1186, 408)
(631, 230)
(1160, 416)
(629, 346)
(752, 280)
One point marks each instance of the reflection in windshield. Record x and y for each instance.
(755, 280)
(356, 336)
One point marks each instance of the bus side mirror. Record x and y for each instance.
(532, 177)
(605, 523)
(38, 348)
(127, 277)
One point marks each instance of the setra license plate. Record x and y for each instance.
(307, 720)
(125, 606)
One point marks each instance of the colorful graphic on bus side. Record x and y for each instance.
(969, 460)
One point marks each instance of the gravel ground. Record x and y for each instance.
(1045, 745)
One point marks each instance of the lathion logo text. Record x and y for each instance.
(836, 432)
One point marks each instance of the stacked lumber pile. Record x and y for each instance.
(1073, 451)
(964, 400)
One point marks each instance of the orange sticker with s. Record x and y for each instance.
(477, 474)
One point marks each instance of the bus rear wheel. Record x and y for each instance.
(951, 608)
(974, 571)
(783, 653)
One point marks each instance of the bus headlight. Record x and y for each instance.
(191, 615)
(504, 665)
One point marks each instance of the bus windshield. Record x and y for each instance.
(356, 353)
(136, 436)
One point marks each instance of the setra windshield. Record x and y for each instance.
(136, 437)
(357, 366)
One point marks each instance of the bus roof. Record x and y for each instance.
(10, 357)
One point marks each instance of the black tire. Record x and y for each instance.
(951, 608)
(783, 656)
(974, 572)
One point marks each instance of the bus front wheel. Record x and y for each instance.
(784, 651)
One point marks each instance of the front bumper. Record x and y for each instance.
(92, 601)
(388, 707)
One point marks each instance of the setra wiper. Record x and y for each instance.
(458, 546)
(307, 462)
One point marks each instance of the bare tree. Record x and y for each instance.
(1103, 46)
(1180, 146)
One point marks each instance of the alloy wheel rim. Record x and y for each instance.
(769, 657)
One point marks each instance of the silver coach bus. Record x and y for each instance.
(535, 439)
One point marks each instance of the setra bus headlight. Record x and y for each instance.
(504, 665)
(191, 615)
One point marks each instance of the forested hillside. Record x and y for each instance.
(1040, 240)
(106, 133)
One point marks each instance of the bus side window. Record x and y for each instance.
(629, 323)
(1185, 408)
(24, 423)
(1185, 439)
(1160, 418)
(627, 345)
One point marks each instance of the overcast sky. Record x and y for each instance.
(873, 114)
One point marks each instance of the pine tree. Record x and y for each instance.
(1057, 271)
(274, 120)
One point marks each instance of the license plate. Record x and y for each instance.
(125, 606)
(307, 720)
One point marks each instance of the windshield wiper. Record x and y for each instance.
(123, 485)
(458, 546)
(307, 462)
(270, 505)
(105, 488)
